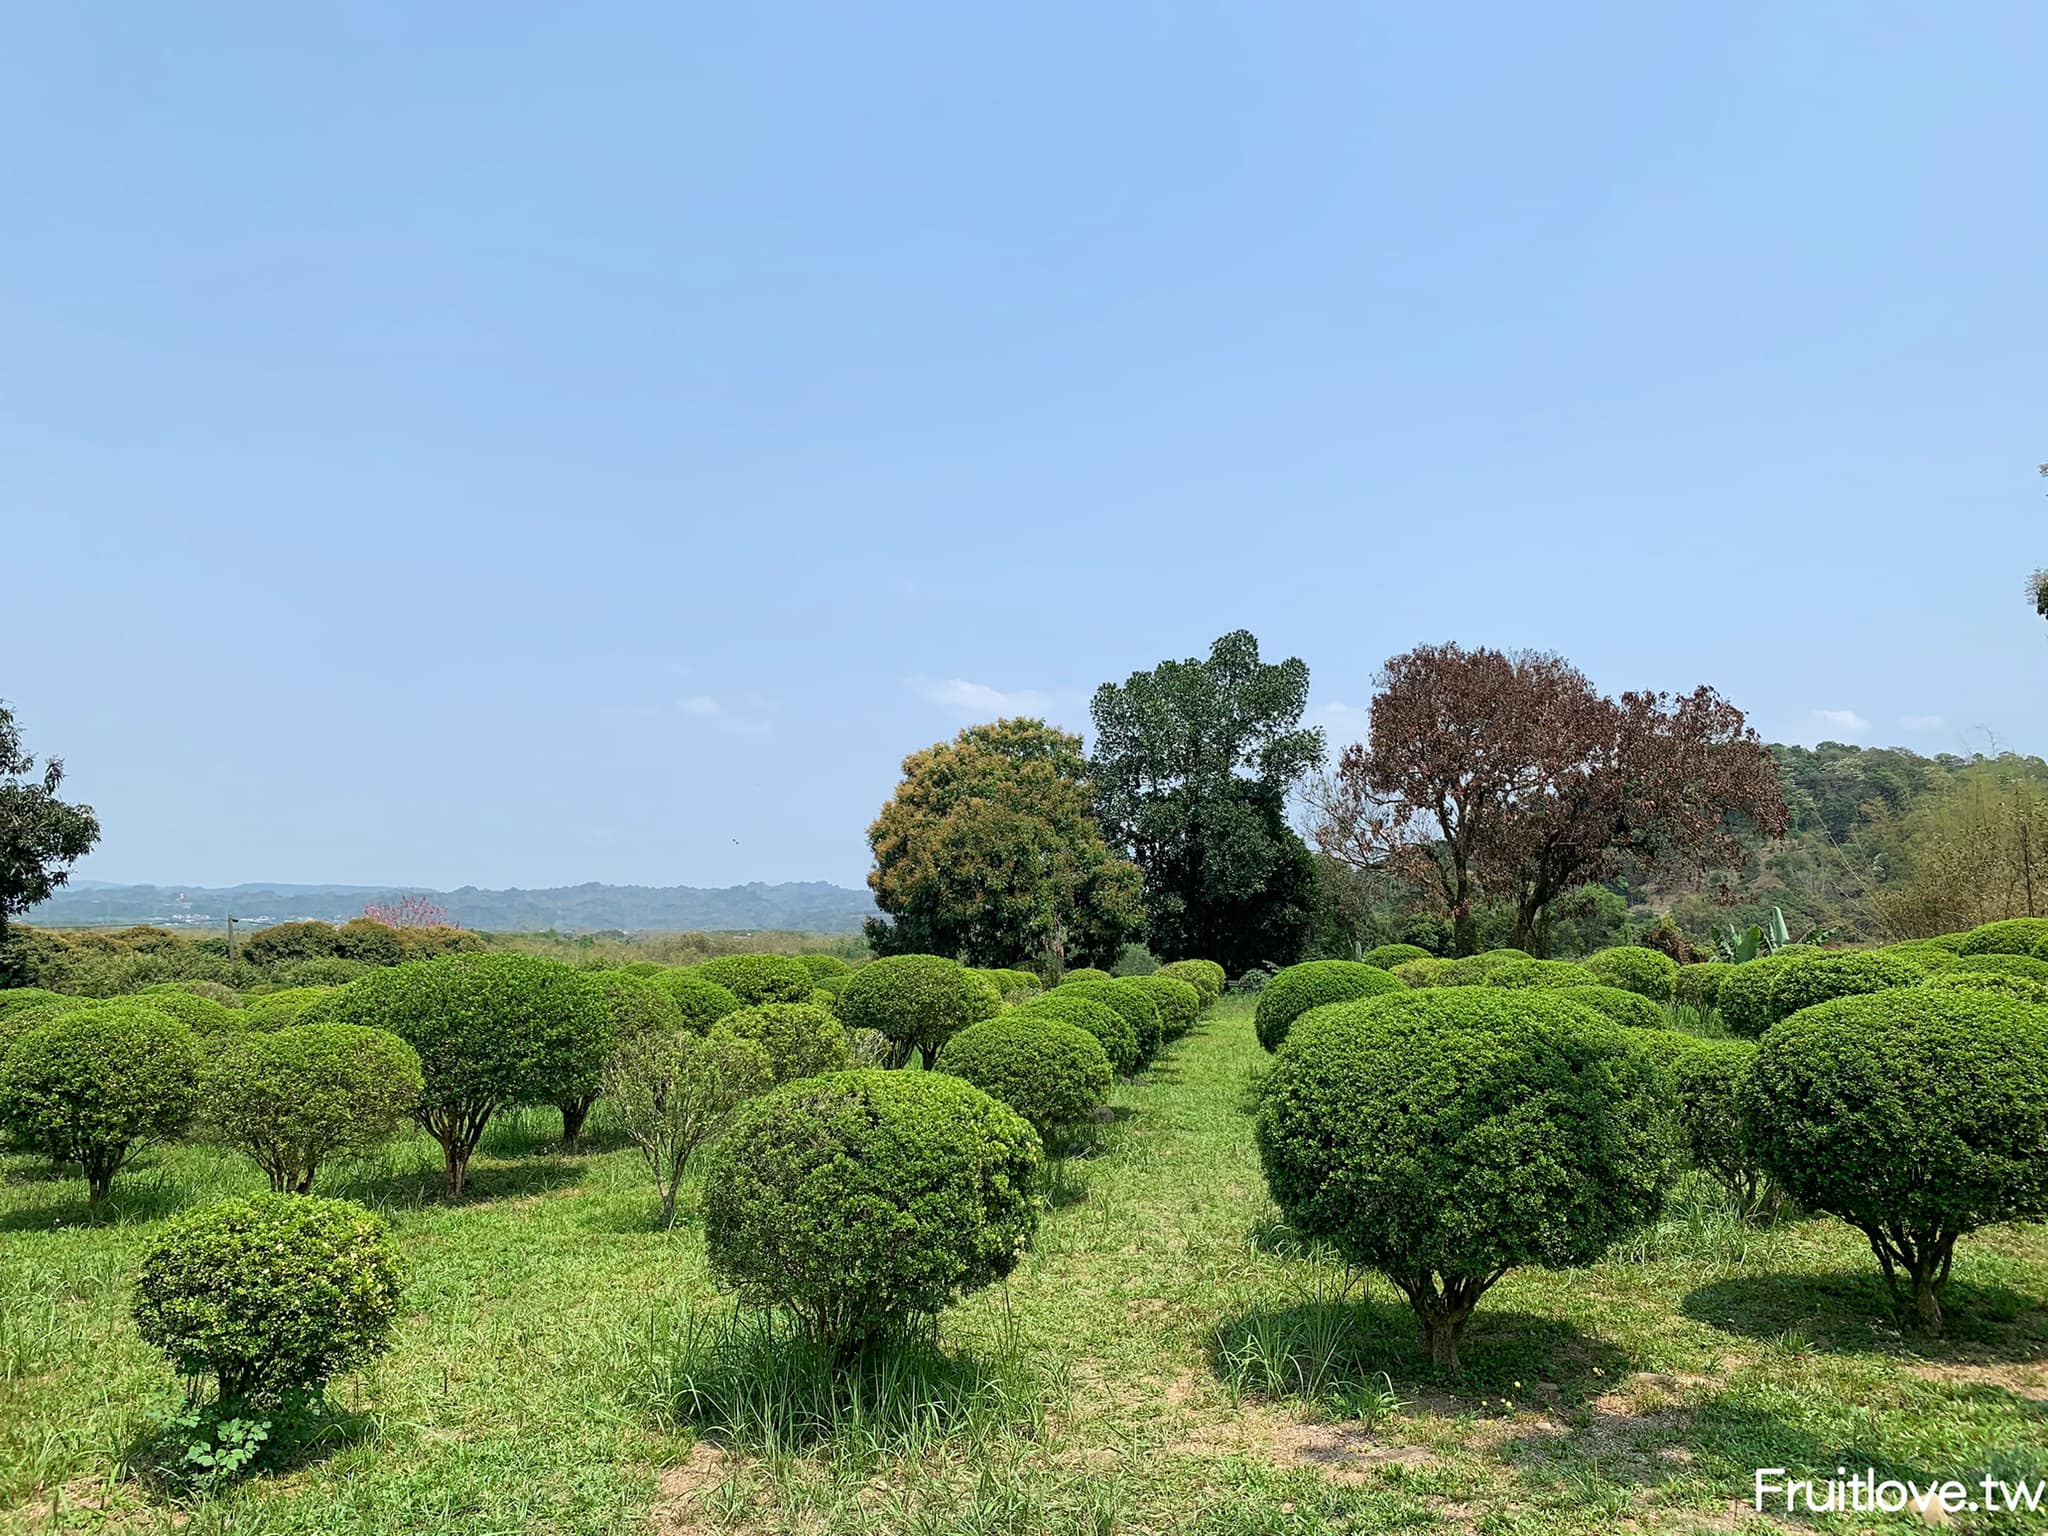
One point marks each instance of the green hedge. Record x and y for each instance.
(1055, 1075)
(294, 1098)
(1647, 972)
(2014, 936)
(1178, 1002)
(1540, 973)
(802, 1039)
(1205, 976)
(1129, 997)
(760, 978)
(1313, 984)
(1387, 956)
(1111, 1029)
(1622, 1006)
(1699, 986)
(700, 1000)
(918, 1001)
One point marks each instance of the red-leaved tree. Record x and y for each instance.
(409, 911)
(1509, 776)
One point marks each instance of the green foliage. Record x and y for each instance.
(1134, 960)
(2014, 936)
(290, 941)
(1747, 1000)
(297, 1097)
(1540, 973)
(862, 1200)
(282, 1008)
(1648, 972)
(270, 1296)
(1129, 996)
(201, 1015)
(1111, 1029)
(1838, 973)
(94, 1084)
(1205, 976)
(1445, 1136)
(370, 942)
(16, 999)
(1421, 973)
(820, 964)
(212, 991)
(1699, 986)
(700, 1000)
(490, 1029)
(2027, 966)
(1086, 973)
(1916, 1114)
(1313, 984)
(321, 971)
(1930, 955)
(673, 1091)
(1999, 982)
(1628, 1008)
(637, 1004)
(1387, 956)
(760, 978)
(41, 836)
(1477, 970)
(1178, 1002)
(918, 1001)
(1055, 1075)
(802, 1039)
(1708, 1079)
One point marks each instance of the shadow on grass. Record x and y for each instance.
(1850, 1312)
(1346, 1354)
(146, 1196)
(425, 1185)
(181, 1459)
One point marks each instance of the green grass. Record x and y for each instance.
(1170, 1358)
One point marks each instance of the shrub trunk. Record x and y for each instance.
(1915, 1265)
(574, 1113)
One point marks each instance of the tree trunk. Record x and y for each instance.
(455, 1159)
(1444, 1333)
(99, 1180)
(1925, 1258)
(574, 1113)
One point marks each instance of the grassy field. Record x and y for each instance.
(1167, 1360)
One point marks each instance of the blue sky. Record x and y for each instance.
(522, 445)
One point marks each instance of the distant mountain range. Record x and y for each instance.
(809, 906)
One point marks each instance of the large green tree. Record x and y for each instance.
(989, 851)
(41, 836)
(1193, 762)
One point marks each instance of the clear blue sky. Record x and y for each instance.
(530, 444)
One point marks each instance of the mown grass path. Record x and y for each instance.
(1188, 1368)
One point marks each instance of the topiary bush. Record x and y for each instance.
(1930, 955)
(1312, 984)
(1055, 1075)
(271, 1296)
(1443, 1137)
(282, 1007)
(212, 991)
(1205, 976)
(863, 1200)
(700, 1002)
(1916, 1114)
(1387, 956)
(1540, 973)
(1699, 986)
(294, 1098)
(1086, 973)
(18, 999)
(1846, 973)
(2009, 965)
(633, 1005)
(201, 1015)
(321, 971)
(1647, 972)
(1708, 1080)
(1747, 1000)
(1421, 973)
(919, 1001)
(1970, 981)
(93, 1085)
(1111, 1029)
(821, 965)
(1628, 1008)
(1128, 997)
(2014, 936)
(755, 979)
(1178, 1002)
(802, 1039)
(490, 1030)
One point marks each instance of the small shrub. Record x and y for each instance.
(1699, 986)
(1111, 1029)
(1129, 997)
(212, 991)
(1387, 956)
(822, 965)
(1540, 973)
(2014, 936)
(281, 1008)
(1178, 1002)
(297, 1097)
(1134, 960)
(2026, 966)
(201, 1015)
(1999, 982)
(1708, 1081)
(1847, 973)
(802, 1039)
(1086, 973)
(755, 979)
(321, 971)
(289, 941)
(1628, 1008)
(1205, 976)
(94, 1085)
(919, 1001)
(1420, 973)
(1930, 955)
(1055, 1075)
(1634, 968)
(1473, 970)
(862, 1200)
(1916, 1114)
(271, 1297)
(701, 1001)
(370, 942)
(1747, 1001)
(632, 1006)
(1443, 1137)
(1312, 984)
(673, 1091)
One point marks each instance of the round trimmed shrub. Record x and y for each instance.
(371, 942)
(802, 1039)
(1699, 986)
(1916, 1114)
(1111, 1029)
(321, 971)
(863, 1200)
(646, 970)
(1930, 955)
(821, 965)
(1647, 972)
(1178, 1002)
(1748, 997)
(35, 1007)
(1055, 1075)
(1128, 996)
(760, 978)
(1445, 1136)
(17, 999)
(1999, 982)
(2010, 965)
(1845, 973)
(1541, 973)
(1086, 973)
(1421, 973)
(491, 1029)
(1628, 1008)
(1387, 956)
(212, 991)
(281, 1008)
(1708, 1081)
(2014, 936)
(919, 1001)
(271, 1297)
(1312, 984)
(1205, 976)
(1661, 1046)
(1473, 970)
(633, 1006)
(296, 1097)
(700, 1001)
(201, 1015)
(95, 1084)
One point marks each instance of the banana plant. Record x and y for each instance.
(1739, 946)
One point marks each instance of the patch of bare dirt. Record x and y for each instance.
(679, 1510)
(2027, 1379)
